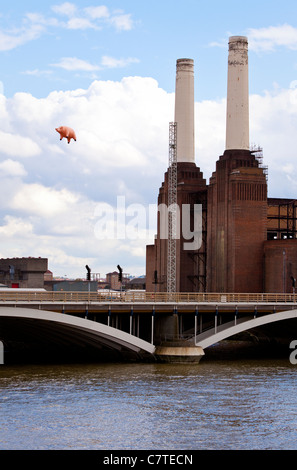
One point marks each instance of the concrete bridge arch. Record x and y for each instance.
(50, 331)
(227, 330)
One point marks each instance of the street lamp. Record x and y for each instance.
(120, 275)
(88, 277)
(293, 283)
(88, 273)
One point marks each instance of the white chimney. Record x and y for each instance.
(184, 110)
(237, 131)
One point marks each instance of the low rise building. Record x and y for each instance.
(25, 273)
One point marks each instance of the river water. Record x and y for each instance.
(212, 405)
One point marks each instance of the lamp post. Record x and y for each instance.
(88, 277)
(120, 276)
(293, 283)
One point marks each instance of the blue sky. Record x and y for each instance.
(59, 46)
(108, 70)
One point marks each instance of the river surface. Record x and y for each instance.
(209, 406)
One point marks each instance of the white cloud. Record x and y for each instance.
(80, 23)
(34, 25)
(40, 20)
(209, 133)
(17, 145)
(39, 200)
(97, 12)
(67, 8)
(112, 62)
(20, 37)
(37, 72)
(75, 64)
(72, 63)
(122, 22)
(276, 133)
(15, 226)
(267, 39)
(11, 168)
(121, 149)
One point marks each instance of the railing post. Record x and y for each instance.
(109, 317)
(236, 314)
(1, 353)
(216, 319)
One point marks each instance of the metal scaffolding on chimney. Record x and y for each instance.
(258, 152)
(172, 208)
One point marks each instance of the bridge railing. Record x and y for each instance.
(16, 295)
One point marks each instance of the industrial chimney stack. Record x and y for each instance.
(184, 110)
(237, 193)
(237, 132)
(167, 262)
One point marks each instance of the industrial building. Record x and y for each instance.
(248, 241)
(23, 273)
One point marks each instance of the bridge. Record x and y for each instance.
(139, 326)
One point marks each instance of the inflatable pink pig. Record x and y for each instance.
(66, 132)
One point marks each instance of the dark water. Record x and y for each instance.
(213, 405)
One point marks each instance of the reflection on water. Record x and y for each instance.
(212, 405)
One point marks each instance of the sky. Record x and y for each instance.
(108, 71)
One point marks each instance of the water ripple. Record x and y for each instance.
(149, 406)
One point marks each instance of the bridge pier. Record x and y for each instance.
(167, 328)
(171, 346)
(180, 354)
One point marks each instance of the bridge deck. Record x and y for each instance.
(144, 297)
(147, 302)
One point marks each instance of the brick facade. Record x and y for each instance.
(190, 264)
(238, 252)
(237, 222)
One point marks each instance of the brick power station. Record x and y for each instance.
(249, 241)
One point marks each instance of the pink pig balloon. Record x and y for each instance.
(66, 132)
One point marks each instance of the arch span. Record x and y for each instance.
(48, 329)
(210, 337)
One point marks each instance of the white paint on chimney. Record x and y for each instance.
(184, 110)
(237, 130)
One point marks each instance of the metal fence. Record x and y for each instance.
(16, 295)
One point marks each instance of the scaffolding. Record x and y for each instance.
(172, 208)
(258, 152)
